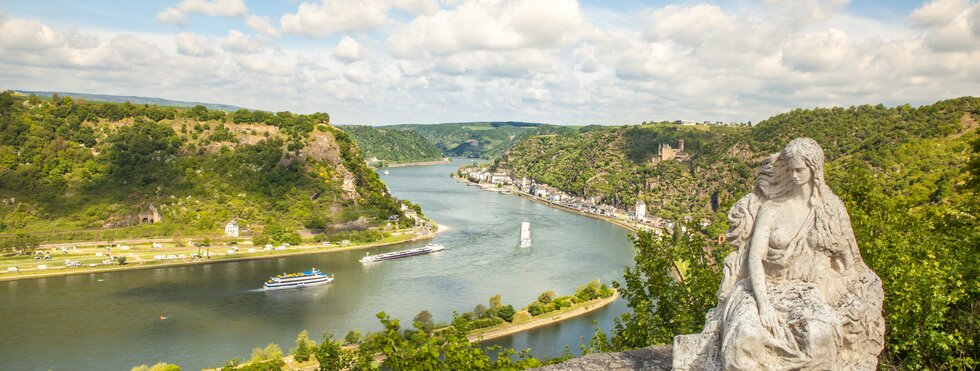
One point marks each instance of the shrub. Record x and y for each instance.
(506, 313)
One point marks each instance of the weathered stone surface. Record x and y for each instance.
(796, 293)
(655, 358)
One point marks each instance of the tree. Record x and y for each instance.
(269, 353)
(479, 311)
(423, 321)
(666, 301)
(162, 366)
(546, 297)
(121, 260)
(142, 152)
(303, 347)
(352, 337)
(506, 313)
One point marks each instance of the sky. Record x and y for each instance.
(553, 61)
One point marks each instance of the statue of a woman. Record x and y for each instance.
(796, 294)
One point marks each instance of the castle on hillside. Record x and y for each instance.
(668, 153)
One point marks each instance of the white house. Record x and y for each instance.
(231, 229)
(500, 179)
(641, 210)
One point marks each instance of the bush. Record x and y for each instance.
(506, 313)
(535, 308)
(269, 353)
(157, 367)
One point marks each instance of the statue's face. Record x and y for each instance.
(800, 172)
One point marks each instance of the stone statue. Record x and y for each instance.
(796, 293)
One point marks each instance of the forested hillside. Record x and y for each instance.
(479, 139)
(910, 178)
(145, 170)
(392, 146)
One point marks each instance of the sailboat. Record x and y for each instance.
(525, 234)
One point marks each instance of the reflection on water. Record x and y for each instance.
(215, 312)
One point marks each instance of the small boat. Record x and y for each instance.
(525, 234)
(311, 277)
(430, 248)
(386, 172)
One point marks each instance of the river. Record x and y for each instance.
(215, 312)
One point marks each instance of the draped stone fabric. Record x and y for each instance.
(793, 242)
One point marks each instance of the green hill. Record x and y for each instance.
(71, 170)
(392, 146)
(479, 139)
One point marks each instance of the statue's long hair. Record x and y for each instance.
(831, 232)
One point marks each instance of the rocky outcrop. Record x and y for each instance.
(654, 358)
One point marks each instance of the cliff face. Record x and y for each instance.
(72, 165)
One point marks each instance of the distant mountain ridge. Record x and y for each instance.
(132, 99)
(488, 139)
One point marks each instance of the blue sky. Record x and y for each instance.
(556, 61)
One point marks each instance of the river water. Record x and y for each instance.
(215, 312)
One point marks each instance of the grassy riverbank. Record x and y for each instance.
(144, 255)
(526, 323)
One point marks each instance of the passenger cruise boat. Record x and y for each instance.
(311, 277)
(430, 248)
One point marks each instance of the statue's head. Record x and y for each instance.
(800, 153)
(800, 163)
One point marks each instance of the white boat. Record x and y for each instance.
(525, 234)
(430, 248)
(386, 172)
(311, 277)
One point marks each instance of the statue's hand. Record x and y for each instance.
(768, 317)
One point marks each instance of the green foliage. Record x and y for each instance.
(142, 153)
(304, 346)
(546, 296)
(162, 366)
(448, 351)
(665, 301)
(394, 146)
(506, 313)
(365, 236)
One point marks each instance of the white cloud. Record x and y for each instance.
(547, 60)
(27, 35)
(331, 16)
(818, 52)
(938, 13)
(194, 45)
(226, 8)
(239, 43)
(347, 49)
(949, 25)
(261, 24)
(491, 25)
(423, 7)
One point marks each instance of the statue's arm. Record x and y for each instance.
(758, 248)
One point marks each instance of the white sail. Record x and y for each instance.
(525, 234)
